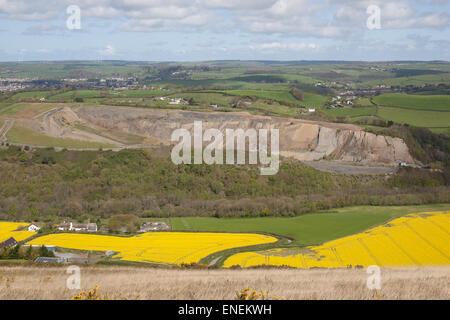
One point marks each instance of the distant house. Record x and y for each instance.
(176, 101)
(70, 226)
(11, 242)
(311, 110)
(153, 226)
(109, 253)
(92, 227)
(33, 227)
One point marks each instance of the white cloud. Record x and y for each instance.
(290, 46)
(108, 51)
(303, 18)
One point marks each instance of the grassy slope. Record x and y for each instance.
(31, 94)
(427, 119)
(19, 134)
(427, 102)
(413, 80)
(310, 99)
(307, 229)
(353, 112)
(26, 110)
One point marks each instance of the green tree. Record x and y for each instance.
(12, 211)
(44, 252)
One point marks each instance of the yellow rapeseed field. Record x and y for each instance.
(416, 239)
(8, 230)
(159, 247)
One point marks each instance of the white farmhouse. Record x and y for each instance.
(33, 227)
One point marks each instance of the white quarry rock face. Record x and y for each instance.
(299, 139)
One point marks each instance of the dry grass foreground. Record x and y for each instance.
(28, 282)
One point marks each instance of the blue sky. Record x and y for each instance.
(196, 30)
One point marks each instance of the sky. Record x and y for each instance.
(200, 30)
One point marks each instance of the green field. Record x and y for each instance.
(408, 81)
(352, 112)
(77, 94)
(273, 109)
(22, 135)
(308, 229)
(427, 119)
(30, 95)
(26, 109)
(141, 93)
(205, 97)
(409, 101)
(310, 99)
(59, 70)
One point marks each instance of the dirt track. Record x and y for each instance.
(350, 168)
(6, 127)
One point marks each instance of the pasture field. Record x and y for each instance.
(142, 93)
(30, 95)
(277, 95)
(410, 101)
(205, 97)
(310, 99)
(419, 118)
(412, 80)
(273, 109)
(22, 135)
(8, 230)
(159, 247)
(419, 239)
(308, 229)
(60, 70)
(353, 112)
(78, 94)
(26, 110)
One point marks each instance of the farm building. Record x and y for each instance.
(70, 226)
(11, 242)
(33, 227)
(153, 226)
(50, 260)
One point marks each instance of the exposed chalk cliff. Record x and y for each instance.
(300, 139)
